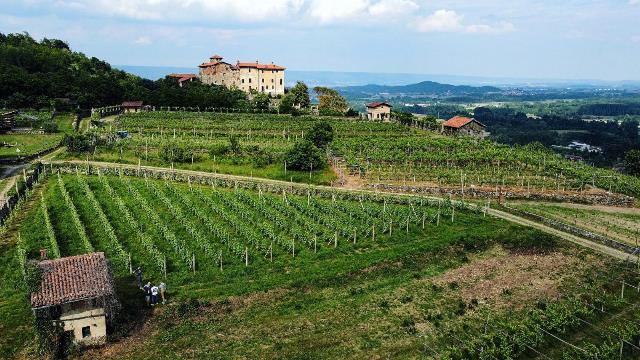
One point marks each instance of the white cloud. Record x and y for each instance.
(636, 38)
(634, 2)
(142, 40)
(391, 8)
(449, 21)
(328, 11)
(440, 21)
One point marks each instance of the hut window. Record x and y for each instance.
(86, 332)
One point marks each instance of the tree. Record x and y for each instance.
(300, 94)
(305, 156)
(321, 134)
(78, 143)
(286, 104)
(330, 102)
(632, 162)
(175, 152)
(234, 144)
(261, 101)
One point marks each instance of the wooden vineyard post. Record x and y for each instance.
(193, 263)
(438, 218)
(335, 240)
(315, 243)
(293, 247)
(271, 252)
(407, 224)
(373, 232)
(622, 291)
(354, 235)
(130, 266)
(164, 267)
(453, 212)
(423, 218)
(246, 256)
(220, 258)
(390, 227)
(308, 197)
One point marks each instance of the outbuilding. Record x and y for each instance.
(131, 106)
(379, 111)
(461, 125)
(76, 294)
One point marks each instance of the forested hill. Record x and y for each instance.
(421, 88)
(33, 74)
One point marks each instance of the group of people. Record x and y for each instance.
(152, 294)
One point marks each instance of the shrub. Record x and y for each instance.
(50, 127)
(175, 152)
(78, 143)
(218, 150)
(321, 134)
(526, 239)
(305, 156)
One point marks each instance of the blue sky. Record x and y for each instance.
(561, 39)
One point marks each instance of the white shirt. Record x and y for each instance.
(154, 290)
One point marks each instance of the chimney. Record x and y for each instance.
(43, 254)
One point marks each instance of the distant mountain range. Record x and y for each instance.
(426, 88)
(350, 79)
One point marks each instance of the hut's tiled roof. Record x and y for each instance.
(72, 279)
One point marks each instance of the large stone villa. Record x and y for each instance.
(246, 76)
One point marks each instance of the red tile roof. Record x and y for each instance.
(260, 66)
(72, 279)
(132, 104)
(460, 121)
(376, 104)
(182, 75)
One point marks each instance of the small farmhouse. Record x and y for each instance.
(460, 125)
(131, 106)
(77, 293)
(379, 111)
(182, 78)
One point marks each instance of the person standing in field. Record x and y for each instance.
(138, 273)
(163, 289)
(147, 293)
(154, 295)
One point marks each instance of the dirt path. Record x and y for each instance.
(496, 213)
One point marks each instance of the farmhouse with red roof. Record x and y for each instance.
(379, 110)
(76, 292)
(246, 76)
(131, 106)
(184, 78)
(461, 125)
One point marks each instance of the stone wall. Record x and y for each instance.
(558, 225)
(607, 199)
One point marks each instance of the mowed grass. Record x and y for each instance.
(28, 144)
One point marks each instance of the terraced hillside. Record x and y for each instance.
(375, 154)
(286, 276)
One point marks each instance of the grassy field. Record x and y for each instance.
(29, 144)
(618, 224)
(374, 152)
(445, 288)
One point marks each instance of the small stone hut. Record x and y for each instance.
(131, 106)
(379, 111)
(460, 125)
(77, 293)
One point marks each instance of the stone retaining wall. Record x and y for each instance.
(607, 199)
(558, 225)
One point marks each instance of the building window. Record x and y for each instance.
(243, 81)
(263, 80)
(249, 80)
(280, 81)
(272, 80)
(86, 332)
(263, 89)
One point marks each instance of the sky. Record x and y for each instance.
(543, 39)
